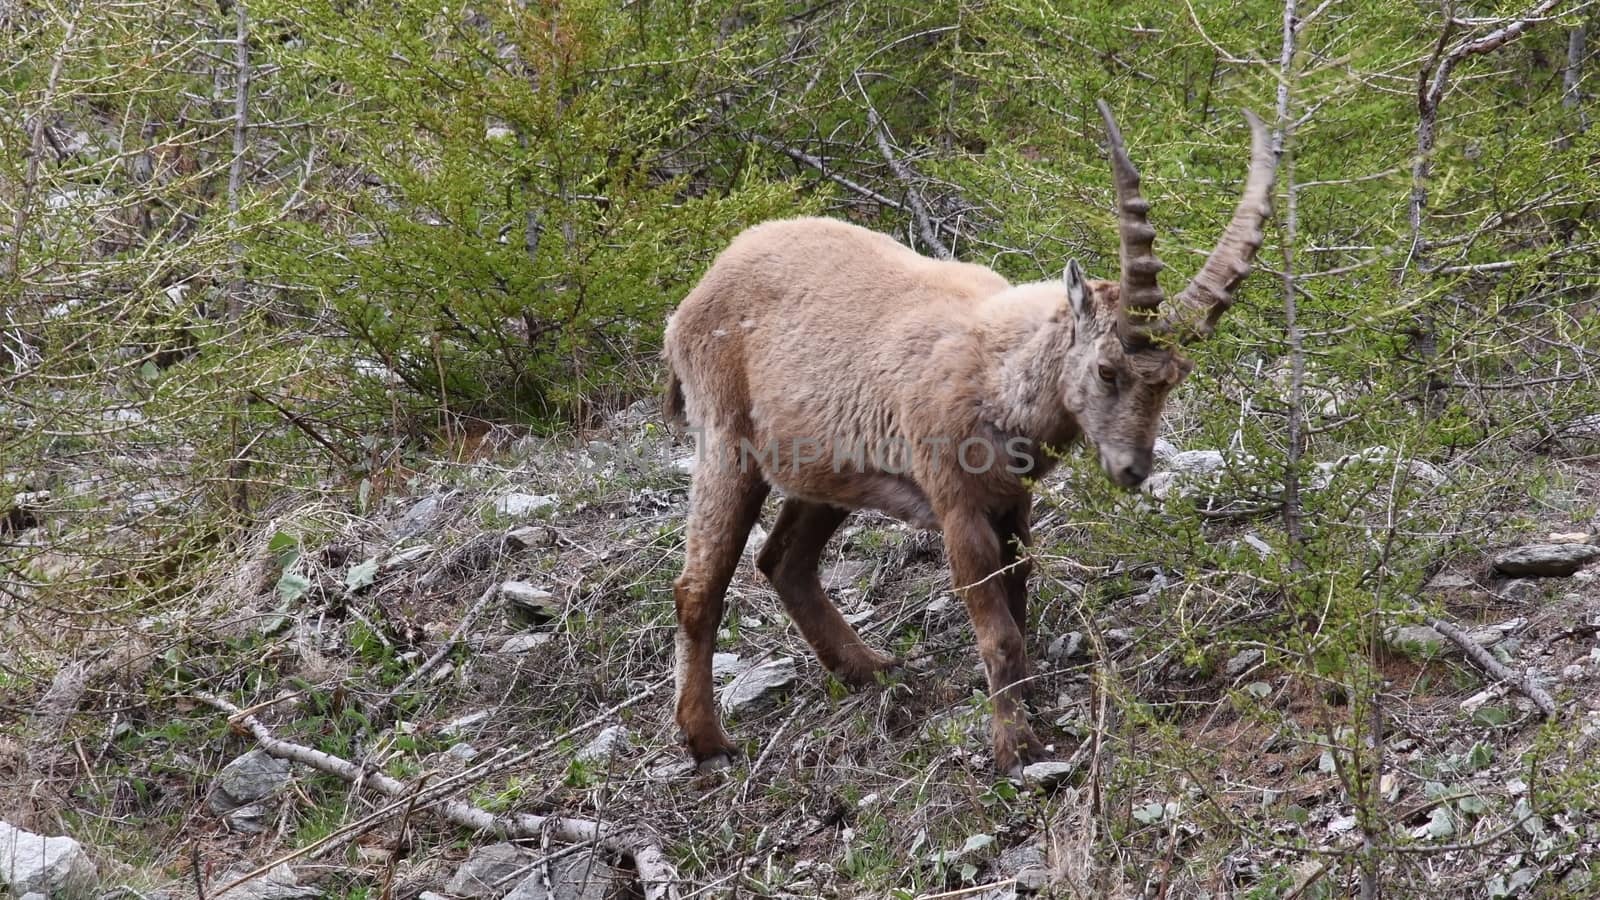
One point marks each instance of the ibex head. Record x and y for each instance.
(1127, 359)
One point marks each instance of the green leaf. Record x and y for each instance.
(1472, 806)
(285, 548)
(293, 586)
(1296, 813)
(1491, 716)
(1480, 757)
(1440, 824)
(1149, 813)
(361, 575)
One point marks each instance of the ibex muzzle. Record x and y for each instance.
(849, 372)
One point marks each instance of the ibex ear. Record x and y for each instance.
(1079, 298)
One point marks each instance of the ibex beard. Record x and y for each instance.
(807, 335)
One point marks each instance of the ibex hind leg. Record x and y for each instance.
(724, 503)
(789, 560)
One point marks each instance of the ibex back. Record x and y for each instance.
(850, 372)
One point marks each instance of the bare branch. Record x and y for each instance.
(902, 171)
(656, 873)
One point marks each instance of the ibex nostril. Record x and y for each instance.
(1134, 475)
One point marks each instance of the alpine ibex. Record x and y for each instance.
(850, 372)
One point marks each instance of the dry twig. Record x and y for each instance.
(1525, 684)
(656, 873)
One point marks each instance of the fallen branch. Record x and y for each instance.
(1525, 685)
(656, 874)
(919, 211)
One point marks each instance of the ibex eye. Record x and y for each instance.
(1108, 375)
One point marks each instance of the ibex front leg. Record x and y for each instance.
(724, 502)
(975, 562)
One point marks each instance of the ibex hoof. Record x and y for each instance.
(864, 669)
(1014, 748)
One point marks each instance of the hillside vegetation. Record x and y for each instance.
(338, 517)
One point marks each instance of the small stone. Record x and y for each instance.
(1573, 672)
(464, 723)
(535, 602)
(518, 505)
(1033, 879)
(530, 537)
(488, 871)
(1163, 450)
(518, 644)
(1197, 462)
(250, 778)
(725, 664)
(1065, 646)
(251, 819)
(462, 751)
(1520, 590)
(1119, 637)
(1049, 774)
(582, 876)
(605, 745)
(1243, 661)
(408, 557)
(420, 517)
(54, 866)
(845, 573)
(279, 883)
(1546, 560)
(1450, 581)
(751, 685)
(1570, 537)
(940, 605)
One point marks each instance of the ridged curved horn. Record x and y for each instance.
(1210, 293)
(1138, 318)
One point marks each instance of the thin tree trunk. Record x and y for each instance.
(239, 466)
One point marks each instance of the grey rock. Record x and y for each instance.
(1049, 774)
(279, 883)
(408, 557)
(530, 537)
(1163, 450)
(605, 745)
(250, 778)
(1033, 879)
(420, 517)
(582, 876)
(1428, 642)
(251, 819)
(1520, 590)
(1197, 462)
(1546, 560)
(726, 664)
(464, 723)
(1065, 646)
(518, 505)
(522, 643)
(33, 863)
(430, 895)
(1451, 581)
(538, 602)
(756, 682)
(489, 871)
(1119, 637)
(462, 751)
(33, 896)
(1573, 672)
(1244, 660)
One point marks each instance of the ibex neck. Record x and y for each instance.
(1026, 389)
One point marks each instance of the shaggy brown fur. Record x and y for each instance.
(849, 372)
